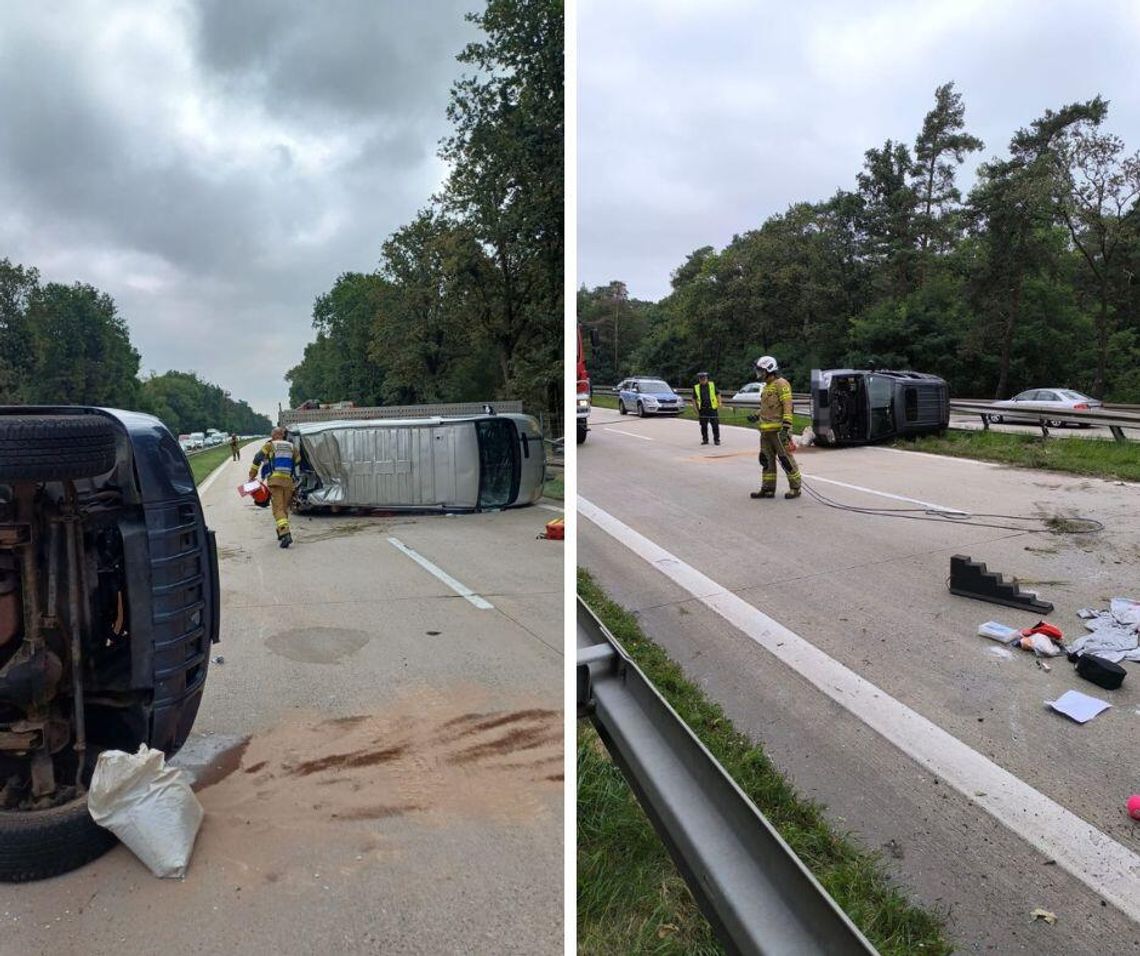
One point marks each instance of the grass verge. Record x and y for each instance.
(728, 416)
(206, 461)
(631, 898)
(1075, 456)
(554, 486)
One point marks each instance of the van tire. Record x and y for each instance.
(55, 447)
(583, 428)
(36, 844)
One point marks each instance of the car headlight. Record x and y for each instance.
(583, 403)
(650, 400)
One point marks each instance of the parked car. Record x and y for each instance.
(648, 396)
(853, 407)
(473, 463)
(109, 602)
(750, 393)
(1047, 400)
(197, 440)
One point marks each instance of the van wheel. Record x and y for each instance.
(582, 430)
(621, 408)
(36, 844)
(55, 447)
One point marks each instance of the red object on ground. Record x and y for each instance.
(1134, 806)
(1044, 627)
(555, 529)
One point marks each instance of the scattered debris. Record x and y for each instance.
(1106, 674)
(1080, 707)
(1039, 913)
(217, 660)
(1045, 667)
(1134, 806)
(1115, 633)
(1002, 633)
(970, 578)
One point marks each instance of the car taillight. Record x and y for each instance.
(1081, 407)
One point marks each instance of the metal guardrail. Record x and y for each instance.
(1114, 418)
(755, 892)
(293, 416)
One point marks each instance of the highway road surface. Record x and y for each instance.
(831, 638)
(380, 757)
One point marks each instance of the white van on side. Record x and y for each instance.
(472, 463)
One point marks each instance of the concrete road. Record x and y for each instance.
(968, 785)
(381, 760)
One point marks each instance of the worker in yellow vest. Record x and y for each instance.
(282, 458)
(707, 403)
(775, 431)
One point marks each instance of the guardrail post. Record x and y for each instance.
(1117, 432)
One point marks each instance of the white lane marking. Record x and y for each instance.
(621, 431)
(461, 589)
(1107, 867)
(887, 494)
(552, 508)
(941, 458)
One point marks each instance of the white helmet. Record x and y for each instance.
(767, 364)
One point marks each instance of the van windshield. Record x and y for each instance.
(499, 464)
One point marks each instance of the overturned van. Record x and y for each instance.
(851, 407)
(469, 463)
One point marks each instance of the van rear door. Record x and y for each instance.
(821, 405)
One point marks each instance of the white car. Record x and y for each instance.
(750, 394)
(1032, 403)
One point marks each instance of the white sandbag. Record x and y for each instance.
(806, 438)
(147, 805)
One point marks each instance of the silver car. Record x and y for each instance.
(473, 463)
(1033, 402)
(749, 394)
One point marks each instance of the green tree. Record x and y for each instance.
(1097, 199)
(506, 188)
(941, 140)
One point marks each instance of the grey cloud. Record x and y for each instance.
(699, 121)
(214, 242)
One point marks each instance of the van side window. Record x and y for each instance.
(910, 403)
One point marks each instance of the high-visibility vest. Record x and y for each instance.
(714, 402)
(279, 455)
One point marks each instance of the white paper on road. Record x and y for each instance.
(1081, 707)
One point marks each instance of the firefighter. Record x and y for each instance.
(775, 430)
(234, 448)
(282, 458)
(705, 398)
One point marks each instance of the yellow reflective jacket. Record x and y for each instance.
(714, 402)
(281, 457)
(776, 406)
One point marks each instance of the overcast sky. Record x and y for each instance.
(698, 119)
(213, 165)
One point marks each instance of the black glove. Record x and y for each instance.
(785, 436)
(753, 419)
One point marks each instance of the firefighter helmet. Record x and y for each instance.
(767, 365)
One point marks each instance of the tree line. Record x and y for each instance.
(1029, 280)
(466, 304)
(68, 345)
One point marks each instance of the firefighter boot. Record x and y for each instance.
(285, 540)
(794, 493)
(763, 493)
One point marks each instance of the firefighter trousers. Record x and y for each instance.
(280, 494)
(772, 449)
